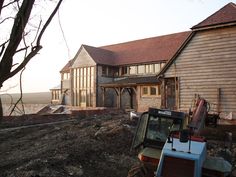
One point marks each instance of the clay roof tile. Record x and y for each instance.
(225, 15)
(155, 49)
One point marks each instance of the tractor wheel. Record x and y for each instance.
(139, 170)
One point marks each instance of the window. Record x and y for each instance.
(157, 68)
(150, 91)
(124, 70)
(104, 70)
(66, 76)
(132, 70)
(110, 71)
(159, 128)
(141, 69)
(162, 64)
(115, 71)
(149, 68)
(153, 90)
(138, 69)
(144, 90)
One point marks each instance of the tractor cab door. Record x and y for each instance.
(140, 131)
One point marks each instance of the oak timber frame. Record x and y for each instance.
(119, 90)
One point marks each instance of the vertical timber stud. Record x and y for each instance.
(118, 97)
(218, 99)
(130, 91)
(136, 97)
(1, 110)
(119, 100)
(131, 99)
(163, 94)
(178, 94)
(103, 96)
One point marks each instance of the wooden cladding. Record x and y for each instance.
(206, 65)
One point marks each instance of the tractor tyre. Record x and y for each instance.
(138, 170)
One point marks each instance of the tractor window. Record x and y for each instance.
(140, 131)
(159, 128)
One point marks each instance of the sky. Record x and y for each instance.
(104, 22)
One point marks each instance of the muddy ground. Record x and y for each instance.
(94, 146)
(98, 146)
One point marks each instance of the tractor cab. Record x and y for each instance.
(153, 130)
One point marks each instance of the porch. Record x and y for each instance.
(128, 91)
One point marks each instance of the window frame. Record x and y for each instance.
(148, 94)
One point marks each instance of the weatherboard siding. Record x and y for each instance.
(207, 63)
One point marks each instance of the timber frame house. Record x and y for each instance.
(120, 75)
(164, 71)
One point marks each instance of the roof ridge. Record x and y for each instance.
(221, 16)
(231, 3)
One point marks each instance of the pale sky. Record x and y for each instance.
(104, 22)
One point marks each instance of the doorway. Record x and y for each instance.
(170, 92)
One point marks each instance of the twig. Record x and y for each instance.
(6, 19)
(10, 3)
(63, 34)
(21, 95)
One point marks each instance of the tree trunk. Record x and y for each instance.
(1, 110)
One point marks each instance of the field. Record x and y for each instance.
(32, 102)
(28, 98)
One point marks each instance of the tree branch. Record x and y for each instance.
(3, 47)
(38, 47)
(10, 3)
(34, 52)
(15, 38)
(25, 48)
(21, 96)
(6, 19)
(48, 22)
(1, 5)
(2, 50)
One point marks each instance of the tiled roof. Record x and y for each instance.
(225, 15)
(132, 81)
(154, 49)
(66, 68)
(100, 55)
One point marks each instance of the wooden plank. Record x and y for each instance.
(206, 64)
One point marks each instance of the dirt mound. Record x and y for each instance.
(90, 147)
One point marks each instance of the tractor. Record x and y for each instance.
(170, 145)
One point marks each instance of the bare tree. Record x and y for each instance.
(16, 42)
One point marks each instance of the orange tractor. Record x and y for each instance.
(170, 145)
